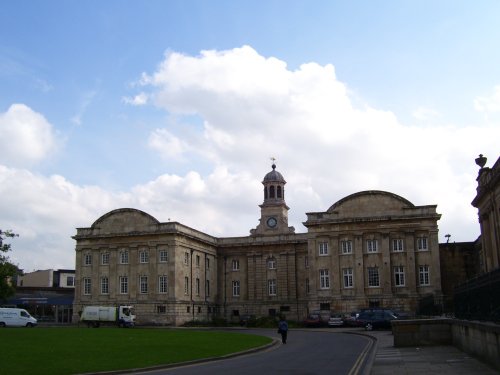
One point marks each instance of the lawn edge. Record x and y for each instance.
(274, 342)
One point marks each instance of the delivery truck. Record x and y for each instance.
(13, 317)
(94, 316)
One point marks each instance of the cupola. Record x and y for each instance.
(274, 187)
(273, 211)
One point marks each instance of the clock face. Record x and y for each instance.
(272, 222)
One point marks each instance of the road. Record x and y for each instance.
(307, 352)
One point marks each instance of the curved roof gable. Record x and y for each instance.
(370, 202)
(125, 220)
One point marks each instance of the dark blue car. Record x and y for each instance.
(376, 319)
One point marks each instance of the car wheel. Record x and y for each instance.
(30, 325)
(369, 327)
(2, 325)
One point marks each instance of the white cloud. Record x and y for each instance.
(220, 203)
(424, 114)
(137, 100)
(255, 107)
(167, 144)
(489, 103)
(218, 137)
(252, 108)
(44, 211)
(26, 137)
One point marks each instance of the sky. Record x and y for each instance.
(176, 108)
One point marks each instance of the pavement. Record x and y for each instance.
(387, 359)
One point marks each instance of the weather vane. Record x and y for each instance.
(273, 159)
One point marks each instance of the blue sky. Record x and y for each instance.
(175, 107)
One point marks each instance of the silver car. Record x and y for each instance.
(335, 320)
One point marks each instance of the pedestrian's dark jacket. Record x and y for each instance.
(283, 326)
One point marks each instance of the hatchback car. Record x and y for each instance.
(335, 320)
(376, 319)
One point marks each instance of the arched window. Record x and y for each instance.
(278, 192)
(271, 191)
(265, 192)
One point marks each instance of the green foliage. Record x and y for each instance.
(82, 350)
(197, 323)
(7, 269)
(3, 236)
(219, 322)
(266, 322)
(215, 322)
(251, 322)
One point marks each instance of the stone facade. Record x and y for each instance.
(166, 270)
(459, 263)
(371, 248)
(382, 251)
(487, 201)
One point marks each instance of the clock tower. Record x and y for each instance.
(273, 211)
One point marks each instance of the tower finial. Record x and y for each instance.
(273, 159)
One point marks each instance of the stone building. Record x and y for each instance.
(487, 201)
(477, 298)
(372, 248)
(168, 271)
(459, 263)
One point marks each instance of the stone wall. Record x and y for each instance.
(480, 339)
(422, 332)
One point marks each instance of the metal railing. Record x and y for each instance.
(479, 298)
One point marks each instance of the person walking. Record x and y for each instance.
(283, 329)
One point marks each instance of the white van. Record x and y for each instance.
(12, 317)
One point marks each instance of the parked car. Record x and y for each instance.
(335, 320)
(313, 320)
(350, 318)
(376, 319)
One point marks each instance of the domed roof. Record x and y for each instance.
(274, 176)
(125, 220)
(370, 201)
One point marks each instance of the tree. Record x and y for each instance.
(7, 269)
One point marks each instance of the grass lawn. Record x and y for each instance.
(74, 350)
